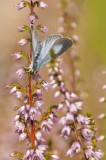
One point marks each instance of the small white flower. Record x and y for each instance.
(23, 41)
(42, 5)
(14, 89)
(56, 94)
(20, 72)
(22, 136)
(18, 94)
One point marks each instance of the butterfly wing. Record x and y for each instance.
(59, 46)
(43, 48)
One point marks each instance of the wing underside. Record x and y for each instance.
(59, 46)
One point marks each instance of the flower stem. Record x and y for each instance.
(30, 94)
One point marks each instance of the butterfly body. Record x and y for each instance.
(41, 52)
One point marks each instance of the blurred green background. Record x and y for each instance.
(91, 18)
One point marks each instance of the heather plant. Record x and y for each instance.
(31, 121)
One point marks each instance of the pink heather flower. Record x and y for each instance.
(20, 5)
(74, 148)
(16, 118)
(69, 117)
(73, 108)
(60, 78)
(27, 154)
(55, 157)
(28, 107)
(67, 94)
(104, 87)
(61, 19)
(33, 111)
(98, 154)
(101, 116)
(7, 86)
(54, 85)
(25, 99)
(19, 126)
(42, 5)
(89, 153)
(14, 89)
(53, 117)
(38, 135)
(62, 86)
(73, 95)
(18, 94)
(32, 18)
(67, 103)
(39, 154)
(22, 137)
(73, 25)
(87, 134)
(46, 86)
(20, 72)
(75, 38)
(78, 105)
(46, 126)
(21, 109)
(38, 103)
(22, 42)
(101, 138)
(66, 132)
(17, 56)
(44, 29)
(56, 69)
(63, 120)
(56, 94)
(60, 106)
(60, 30)
(83, 120)
(102, 99)
(39, 92)
(22, 28)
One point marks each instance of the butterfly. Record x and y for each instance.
(41, 52)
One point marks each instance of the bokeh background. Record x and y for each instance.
(91, 29)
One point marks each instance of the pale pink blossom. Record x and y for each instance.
(55, 157)
(87, 134)
(38, 135)
(74, 148)
(75, 38)
(42, 5)
(39, 92)
(73, 108)
(83, 120)
(73, 25)
(67, 94)
(19, 126)
(46, 126)
(66, 132)
(22, 42)
(57, 93)
(60, 30)
(17, 56)
(22, 136)
(60, 106)
(20, 5)
(102, 99)
(18, 94)
(20, 72)
(13, 90)
(89, 153)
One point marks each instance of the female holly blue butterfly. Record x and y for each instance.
(41, 52)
